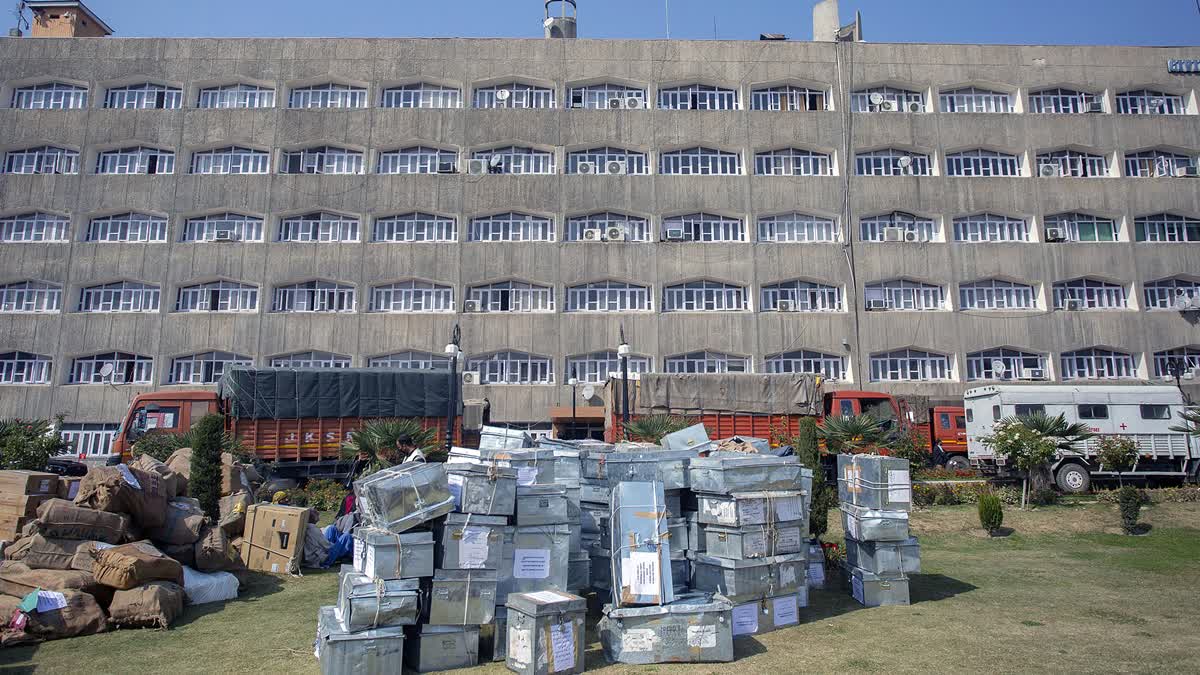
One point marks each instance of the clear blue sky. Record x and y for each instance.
(1136, 22)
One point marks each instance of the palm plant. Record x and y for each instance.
(852, 434)
(1065, 434)
(1191, 422)
(383, 443)
(652, 428)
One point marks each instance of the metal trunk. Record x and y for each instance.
(763, 616)
(381, 554)
(641, 551)
(487, 490)
(368, 603)
(372, 652)
(692, 630)
(471, 542)
(542, 505)
(749, 579)
(462, 597)
(755, 541)
(867, 525)
(433, 648)
(874, 482)
(725, 473)
(546, 633)
(401, 497)
(875, 590)
(751, 508)
(887, 558)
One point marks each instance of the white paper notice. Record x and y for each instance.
(788, 540)
(745, 619)
(527, 475)
(359, 555)
(752, 512)
(857, 589)
(473, 548)
(789, 508)
(899, 486)
(802, 594)
(48, 601)
(852, 526)
(549, 596)
(704, 637)
(520, 646)
(754, 544)
(129, 477)
(638, 640)
(455, 483)
(786, 610)
(531, 563)
(787, 574)
(369, 562)
(816, 573)
(562, 646)
(643, 573)
(721, 512)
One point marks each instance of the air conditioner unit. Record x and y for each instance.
(470, 377)
(1050, 170)
(614, 233)
(914, 107)
(1073, 305)
(888, 106)
(1033, 374)
(224, 235)
(1095, 106)
(477, 167)
(877, 305)
(471, 306)
(1190, 171)
(676, 234)
(1055, 234)
(616, 104)
(616, 168)
(592, 234)
(893, 234)
(447, 167)
(913, 237)
(785, 305)
(585, 168)
(634, 103)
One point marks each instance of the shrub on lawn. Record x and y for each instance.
(954, 494)
(1117, 453)
(324, 494)
(907, 446)
(204, 484)
(991, 513)
(1171, 495)
(1131, 505)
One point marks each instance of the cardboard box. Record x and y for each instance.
(10, 526)
(68, 487)
(20, 505)
(15, 482)
(274, 538)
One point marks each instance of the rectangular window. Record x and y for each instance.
(1155, 412)
(51, 96)
(43, 160)
(1080, 227)
(123, 296)
(792, 162)
(144, 96)
(700, 162)
(30, 297)
(513, 368)
(518, 161)
(124, 369)
(788, 99)
(985, 163)
(224, 227)
(421, 95)
(128, 227)
(418, 160)
(697, 97)
(1092, 411)
(1065, 102)
(328, 96)
(975, 100)
(34, 227)
(704, 296)
(705, 227)
(906, 295)
(995, 295)
(887, 99)
(218, 296)
(827, 366)
(327, 160)
(892, 163)
(608, 97)
(607, 160)
(205, 368)
(232, 160)
(416, 227)
(633, 228)
(89, 439)
(514, 95)
(990, 227)
(1144, 102)
(595, 368)
(314, 296)
(1089, 294)
(24, 368)
(136, 161)
(801, 296)
(1167, 227)
(512, 296)
(412, 296)
(608, 296)
(319, 227)
(909, 366)
(1028, 410)
(796, 228)
(237, 96)
(511, 227)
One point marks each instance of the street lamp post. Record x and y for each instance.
(453, 351)
(574, 382)
(623, 353)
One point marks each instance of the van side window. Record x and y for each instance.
(1155, 412)
(995, 413)
(1093, 411)
(970, 415)
(944, 420)
(1027, 410)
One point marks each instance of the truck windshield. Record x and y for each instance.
(880, 409)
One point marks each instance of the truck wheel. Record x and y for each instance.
(958, 463)
(1073, 478)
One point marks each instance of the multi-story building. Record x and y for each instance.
(916, 218)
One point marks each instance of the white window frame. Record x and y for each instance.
(127, 369)
(519, 161)
(229, 296)
(513, 367)
(975, 100)
(205, 228)
(313, 297)
(24, 368)
(30, 297)
(231, 160)
(1097, 363)
(1096, 294)
(793, 162)
(411, 297)
(597, 96)
(1016, 361)
(1077, 225)
(594, 368)
(907, 295)
(637, 228)
(1059, 101)
(704, 295)
(128, 227)
(636, 163)
(860, 101)
(328, 96)
(990, 227)
(980, 162)
(43, 159)
(91, 439)
(698, 97)
(50, 96)
(144, 96)
(911, 365)
(1075, 164)
(421, 95)
(829, 366)
(707, 362)
(805, 296)
(1156, 163)
(410, 360)
(325, 159)
(319, 227)
(37, 226)
(700, 161)
(707, 227)
(996, 295)
(120, 297)
(609, 296)
(1167, 228)
(886, 162)
(797, 228)
(872, 228)
(135, 160)
(311, 359)
(511, 226)
(521, 95)
(236, 96)
(204, 367)
(417, 159)
(789, 98)
(1139, 102)
(513, 296)
(1189, 354)
(1163, 293)
(415, 227)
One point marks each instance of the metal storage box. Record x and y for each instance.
(593, 517)
(546, 633)
(601, 569)
(500, 438)
(500, 634)
(470, 542)
(367, 603)
(754, 541)
(678, 527)
(579, 571)
(885, 557)
(806, 486)
(488, 490)
(875, 590)
(567, 468)
(747, 579)
(533, 465)
(874, 482)
(696, 537)
(816, 567)
(724, 473)
(674, 503)
(594, 491)
(666, 466)
(686, 439)
(433, 648)
(380, 554)
(401, 497)
(763, 616)
(379, 651)
(462, 597)
(542, 505)
(539, 560)
(681, 575)
(641, 549)
(691, 630)
(751, 508)
(867, 525)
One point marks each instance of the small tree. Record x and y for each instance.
(908, 446)
(652, 428)
(852, 434)
(29, 444)
(1117, 453)
(204, 484)
(1191, 421)
(991, 513)
(383, 443)
(1130, 503)
(1025, 449)
(808, 451)
(808, 446)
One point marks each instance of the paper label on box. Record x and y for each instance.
(548, 596)
(369, 562)
(531, 563)
(786, 610)
(638, 640)
(754, 544)
(274, 568)
(128, 476)
(48, 601)
(73, 490)
(816, 573)
(641, 572)
(788, 539)
(704, 637)
(752, 511)
(520, 645)
(359, 556)
(852, 526)
(455, 483)
(899, 486)
(745, 619)
(723, 512)
(787, 574)
(562, 646)
(473, 548)
(802, 594)
(527, 475)
(44, 485)
(856, 589)
(789, 508)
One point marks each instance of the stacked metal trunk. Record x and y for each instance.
(876, 497)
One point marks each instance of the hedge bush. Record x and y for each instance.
(1131, 505)
(991, 513)
(1172, 495)
(953, 494)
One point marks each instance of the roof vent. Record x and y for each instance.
(566, 23)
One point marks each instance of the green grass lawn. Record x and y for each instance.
(1065, 593)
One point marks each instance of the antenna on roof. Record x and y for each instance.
(667, 11)
(22, 22)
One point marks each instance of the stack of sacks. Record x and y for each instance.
(876, 495)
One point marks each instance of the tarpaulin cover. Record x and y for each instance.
(786, 394)
(292, 393)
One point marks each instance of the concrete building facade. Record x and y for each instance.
(940, 271)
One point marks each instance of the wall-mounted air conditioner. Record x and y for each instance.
(614, 233)
(1095, 106)
(1055, 234)
(785, 305)
(877, 305)
(1033, 374)
(1190, 171)
(888, 106)
(592, 234)
(585, 168)
(1073, 304)
(447, 167)
(914, 237)
(470, 377)
(224, 235)
(676, 234)
(477, 167)
(471, 307)
(616, 104)
(1050, 170)
(914, 107)
(634, 103)
(616, 168)
(893, 234)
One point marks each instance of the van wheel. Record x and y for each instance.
(958, 463)
(1073, 478)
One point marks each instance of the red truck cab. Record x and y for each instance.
(164, 412)
(948, 429)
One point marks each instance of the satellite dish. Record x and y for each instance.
(999, 368)
(503, 95)
(876, 98)
(905, 161)
(589, 391)
(106, 370)
(495, 161)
